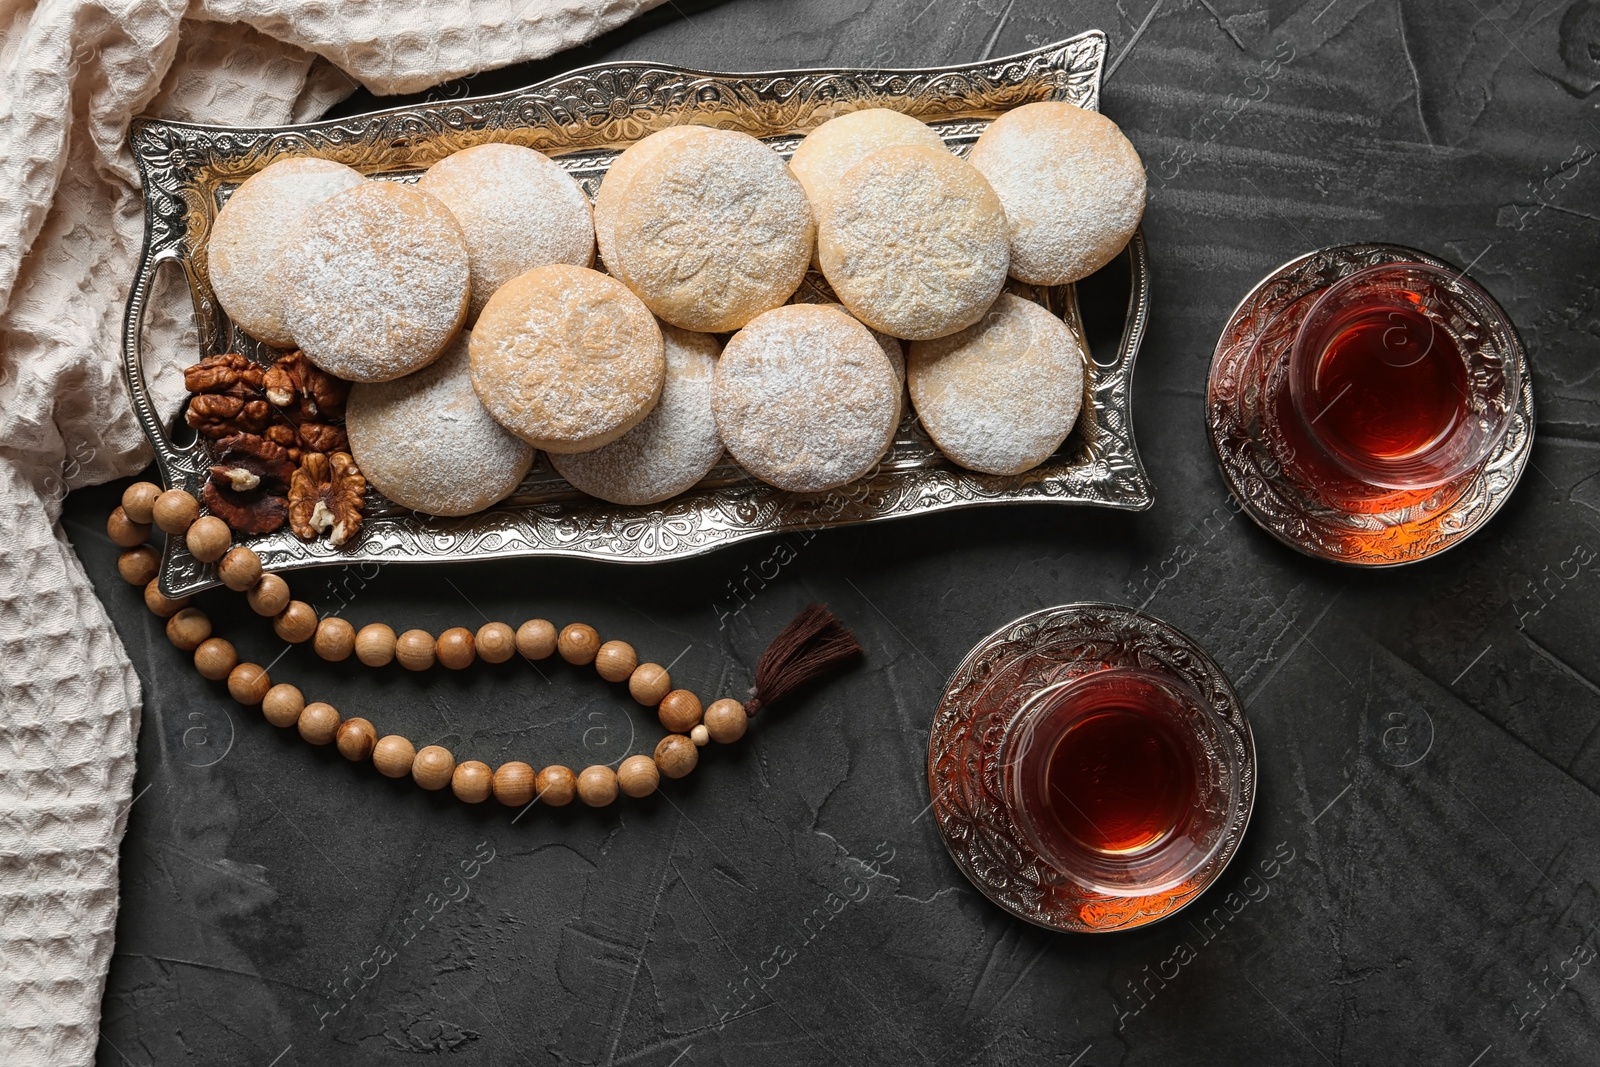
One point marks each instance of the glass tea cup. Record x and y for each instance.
(1401, 380)
(1121, 779)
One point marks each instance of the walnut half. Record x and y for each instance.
(248, 484)
(326, 495)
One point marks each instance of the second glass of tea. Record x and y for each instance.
(1401, 380)
(1121, 780)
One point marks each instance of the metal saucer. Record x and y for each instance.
(989, 688)
(1258, 334)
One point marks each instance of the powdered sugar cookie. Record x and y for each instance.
(244, 254)
(914, 242)
(712, 232)
(427, 442)
(378, 280)
(567, 358)
(675, 445)
(840, 143)
(1000, 396)
(897, 362)
(612, 196)
(805, 398)
(1072, 185)
(518, 210)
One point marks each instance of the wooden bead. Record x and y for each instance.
(296, 623)
(597, 786)
(455, 649)
(356, 739)
(433, 767)
(726, 721)
(679, 711)
(700, 735)
(188, 628)
(335, 638)
(138, 500)
(414, 650)
(495, 642)
(649, 683)
(392, 755)
(159, 603)
(174, 511)
(638, 776)
(375, 644)
(557, 785)
(536, 639)
(139, 566)
(615, 661)
(240, 569)
(282, 705)
(472, 782)
(578, 643)
(248, 683)
(319, 723)
(269, 597)
(208, 538)
(123, 531)
(676, 755)
(513, 784)
(215, 658)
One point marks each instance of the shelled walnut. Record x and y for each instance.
(229, 396)
(249, 484)
(307, 391)
(326, 494)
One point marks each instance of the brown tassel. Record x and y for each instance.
(810, 646)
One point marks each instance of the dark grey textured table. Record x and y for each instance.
(1419, 884)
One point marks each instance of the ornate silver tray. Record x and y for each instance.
(990, 688)
(583, 120)
(1257, 335)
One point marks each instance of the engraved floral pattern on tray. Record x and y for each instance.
(1258, 333)
(985, 694)
(583, 120)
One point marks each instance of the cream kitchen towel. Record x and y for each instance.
(71, 76)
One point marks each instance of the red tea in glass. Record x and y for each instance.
(1116, 778)
(1394, 388)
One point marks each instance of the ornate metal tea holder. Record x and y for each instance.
(1258, 335)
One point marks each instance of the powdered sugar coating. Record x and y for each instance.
(1000, 396)
(804, 397)
(1072, 185)
(244, 254)
(676, 444)
(518, 211)
(914, 242)
(379, 282)
(713, 231)
(428, 443)
(567, 358)
(613, 187)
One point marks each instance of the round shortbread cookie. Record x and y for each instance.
(914, 242)
(675, 445)
(1000, 396)
(244, 254)
(518, 210)
(427, 442)
(1072, 185)
(609, 201)
(567, 358)
(712, 232)
(805, 398)
(378, 282)
(840, 143)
